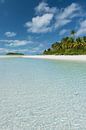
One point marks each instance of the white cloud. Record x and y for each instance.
(6, 50)
(37, 49)
(62, 32)
(10, 34)
(30, 50)
(51, 18)
(43, 7)
(18, 50)
(62, 23)
(40, 24)
(66, 15)
(15, 43)
(3, 50)
(82, 29)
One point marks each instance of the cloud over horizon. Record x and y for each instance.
(49, 19)
(40, 24)
(10, 34)
(15, 43)
(66, 15)
(82, 28)
(43, 8)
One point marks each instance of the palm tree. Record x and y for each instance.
(55, 45)
(84, 38)
(78, 40)
(45, 51)
(73, 33)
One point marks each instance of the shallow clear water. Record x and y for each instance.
(42, 94)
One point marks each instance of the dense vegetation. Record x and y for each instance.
(14, 53)
(68, 46)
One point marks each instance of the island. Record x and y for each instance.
(68, 46)
(14, 53)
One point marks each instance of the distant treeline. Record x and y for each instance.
(68, 46)
(14, 53)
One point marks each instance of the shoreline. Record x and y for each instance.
(52, 57)
(58, 57)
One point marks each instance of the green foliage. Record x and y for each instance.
(14, 53)
(73, 32)
(68, 46)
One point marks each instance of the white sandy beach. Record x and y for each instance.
(59, 57)
(53, 57)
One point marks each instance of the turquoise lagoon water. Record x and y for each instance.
(42, 94)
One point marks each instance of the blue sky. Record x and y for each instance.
(30, 26)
